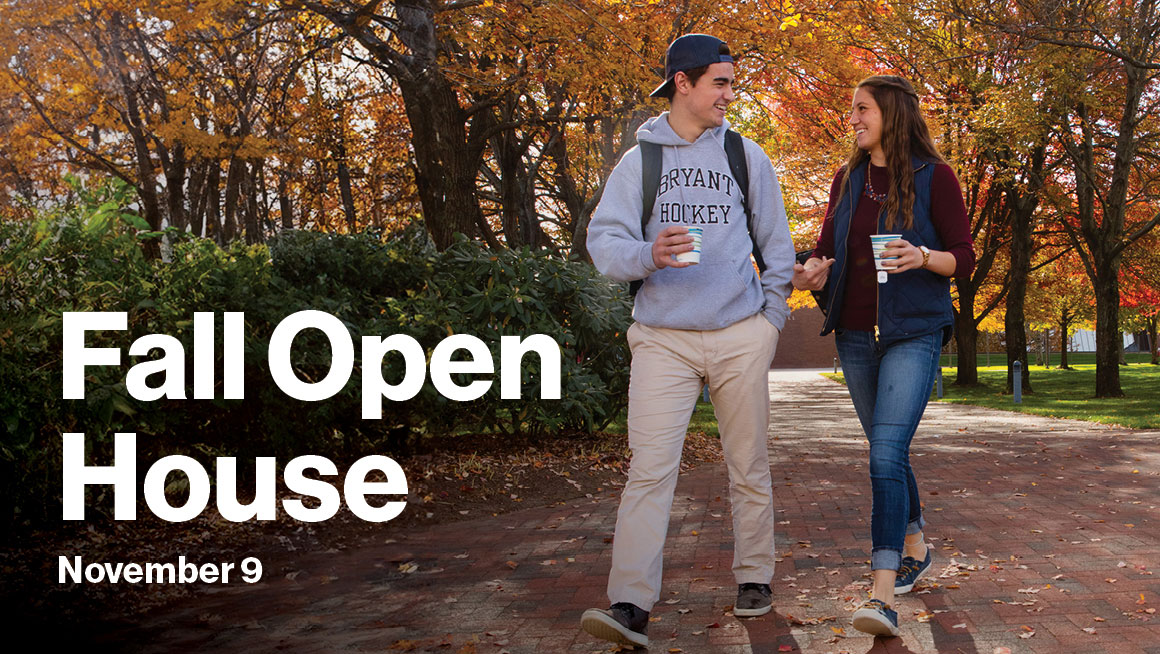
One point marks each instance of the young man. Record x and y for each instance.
(715, 321)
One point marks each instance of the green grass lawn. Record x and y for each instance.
(1066, 393)
(703, 420)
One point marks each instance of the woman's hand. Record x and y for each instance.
(812, 276)
(908, 256)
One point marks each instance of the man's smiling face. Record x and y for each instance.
(710, 96)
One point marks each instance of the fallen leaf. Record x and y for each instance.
(1090, 630)
(512, 564)
(785, 648)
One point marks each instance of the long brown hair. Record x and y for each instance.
(904, 133)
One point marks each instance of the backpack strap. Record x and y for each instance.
(650, 181)
(735, 151)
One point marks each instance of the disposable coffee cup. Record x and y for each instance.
(878, 243)
(694, 255)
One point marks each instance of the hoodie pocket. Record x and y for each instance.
(704, 296)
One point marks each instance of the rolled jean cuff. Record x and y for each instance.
(883, 558)
(916, 526)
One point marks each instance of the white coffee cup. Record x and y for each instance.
(694, 255)
(878, 244)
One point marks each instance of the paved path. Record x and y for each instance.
(1043, 528)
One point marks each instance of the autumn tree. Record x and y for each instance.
(1060, 297)
(160, 95)
(1102, 102)
(1140, 283)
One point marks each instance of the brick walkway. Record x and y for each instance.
(1042, 528)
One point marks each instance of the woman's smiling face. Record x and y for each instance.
(866, 119)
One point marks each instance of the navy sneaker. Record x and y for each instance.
(876, 617)
(624, 623)
(753, 600)
(911, 571)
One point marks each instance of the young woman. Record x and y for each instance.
(890, 324)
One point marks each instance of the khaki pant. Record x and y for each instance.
(669, 367)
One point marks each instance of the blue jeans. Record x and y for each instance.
(890, 387)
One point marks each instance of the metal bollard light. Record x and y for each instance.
(1017, 381)
(835, 365)
(938, 381)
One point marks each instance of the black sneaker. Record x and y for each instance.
(623, 623)
(752, 600)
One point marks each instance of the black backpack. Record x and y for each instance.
(650, 180)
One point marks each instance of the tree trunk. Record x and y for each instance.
(344, 187)
(146, 177)
(1015, 320)
(445, 166)
(213, 202)
(285, 202)
(175, 188)
(1046, 348)
(1109, 342)
(1064, 325)
(254, 232)
(564, 187)
(1153, 346)
(233, 190)
(196, 195)
(967, 340)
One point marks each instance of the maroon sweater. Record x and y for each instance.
(947, 212)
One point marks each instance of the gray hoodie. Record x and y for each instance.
(696, 189)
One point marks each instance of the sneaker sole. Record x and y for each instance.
(752, 613)
(872, 622)
(601, 625)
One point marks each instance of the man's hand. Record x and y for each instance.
(812, 276)
(671, 242)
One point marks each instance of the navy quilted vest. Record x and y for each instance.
(911, 303)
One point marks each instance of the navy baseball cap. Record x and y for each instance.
(686, 53)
